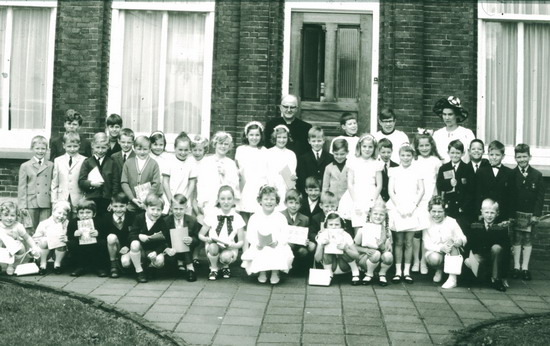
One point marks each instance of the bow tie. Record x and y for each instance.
(225, 217)
(497, 167)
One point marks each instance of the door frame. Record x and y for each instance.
(366, 7)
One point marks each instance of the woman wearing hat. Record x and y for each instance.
(451, 112)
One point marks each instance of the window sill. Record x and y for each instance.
(11, 153)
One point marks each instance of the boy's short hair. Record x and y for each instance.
(477, 140)
(457, 144)
(72, 115)
(39, 140)
(179, 198)
(293, 195)
(182, 137)
(113, 119)
(386, 113)
(315, 132)
(347, 116)
(86, 204)
(385, 143)
(126, 132)
(522, 148)
(71, 137)
(496, 145)
(339, 144)
(328, 197)
(64, 205)
(312, 183)
(220, 137)
(489, 203)
(100, 137)
(120, 198)
(142, 141)
(152, 200)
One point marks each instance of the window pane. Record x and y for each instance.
(28, 75)
(184, 72)
(501, 82)
(537, 85)
(516, 7)
(140, 70)
(313, 61)
(348, 62)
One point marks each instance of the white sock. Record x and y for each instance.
(526, 257)
(354, 268)
(398, 270)
(58, 258)
(407, 269)
(329, 268)
(135, 257)
(213, 262)
(517, 256)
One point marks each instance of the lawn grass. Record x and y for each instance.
(31, 316)
(531, 330)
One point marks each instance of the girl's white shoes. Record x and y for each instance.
(438, 275)
(450, 283)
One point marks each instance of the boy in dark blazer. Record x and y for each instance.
(311, 206)
(293, 201)
(96, 190)
(527, 202)
(179, 219)
(126, 142)
(476, 150)
(35, 181)
(385, 150)
(73, 121)
(495, 182)
(314, 161)
(113, 125)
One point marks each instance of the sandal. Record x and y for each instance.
(382, 280)
(213, 275)
(396, 279)
(182, 268)
(367, 280)
(355, 281)
(409, 279)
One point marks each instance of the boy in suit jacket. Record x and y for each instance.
(35, 180)
(113, 125)
(103, 185)
(476, 150)
(490, 245)
(528, 200)
(147, 241)
(314, 161)
(66, 171)
(179, 219)
(73, 121)
(293, 201)
(495, 182)
(385, 150)
(313, 191)
(140, 170)
(126, 142)
(116, 225)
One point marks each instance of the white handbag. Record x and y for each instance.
(453, 264)
(319, 277)
(26, 268)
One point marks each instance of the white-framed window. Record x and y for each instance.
(27, 42)
(160, 72)
(514, 76)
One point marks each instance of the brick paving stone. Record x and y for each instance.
(359, 340)
(288, 297)
(206, 319)
(429, 299)
(278, 343)
(527, 304)
(441, 328)
(362, 312)
(166, 325)
(163, 316)
(168, 308)
(174, 301)
(196, 339)
(520, 298)
(256, 312)
(227, 329)
(176, 294)
(474, 314)
(240, 340)
(354, 329)
(137, 300)
(404, 338)
(469, 321)
(429, 293)
(102, 291)
(393, 298)
(505, 309)
(200, 328)
(323, 312)
(203, 310)
(79, 288)
(392, 292)
(279, 337)
(469, 307)
(251, 299)
(406, 327)
(143, 293)
(323, 339)
(292, 328)
(401, 318)
(324, 328)
(530, 310)
(278, 303)
(106, 298)
(397, 304)
(284, 311)
(138, 309)
(323, 304)
(282, 318)
(309, 318)
(441, 339)
(443, 320)
(365, 321)
(244, 321)
(213, 302)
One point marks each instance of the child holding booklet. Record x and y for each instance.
(181, 235)
(87, 245)
(294, 218)
(140, 175)
(116, 225)
(51, 235)
(13, 234)
(267, 235)
(223, 233)
(336, 249)
(374, 244)
(180, 176)
(281, 161)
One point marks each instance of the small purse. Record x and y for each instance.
(26, 268)
(319, 277)
(453, 264)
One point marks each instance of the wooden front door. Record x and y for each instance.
(330, 67)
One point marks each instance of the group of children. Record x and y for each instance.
(352, 208)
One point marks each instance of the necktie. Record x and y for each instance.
(221, 221)
(317, 156)
(40, 162)
(477, 166)
(70, 161)
(454, 168)
(123, 157)
(524, 172)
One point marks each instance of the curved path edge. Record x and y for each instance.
(102, 305)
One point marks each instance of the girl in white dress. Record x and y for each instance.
(223, 233)
(279, 160)
(199, 148)
(251, 161)
(364, 179)
(215, 171)
(159, 154)
(267, 235)
(428, 162)
(406, 190)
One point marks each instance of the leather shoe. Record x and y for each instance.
(57, 270)
(191, 276)
(115, 273)
(526, 275)
(515, 273)
(77, 272)
(102, 273)
(498, 285)
(141, 277)
(42, 271)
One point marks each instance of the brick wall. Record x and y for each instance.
(9, 172)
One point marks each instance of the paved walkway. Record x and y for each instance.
(239, 311)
